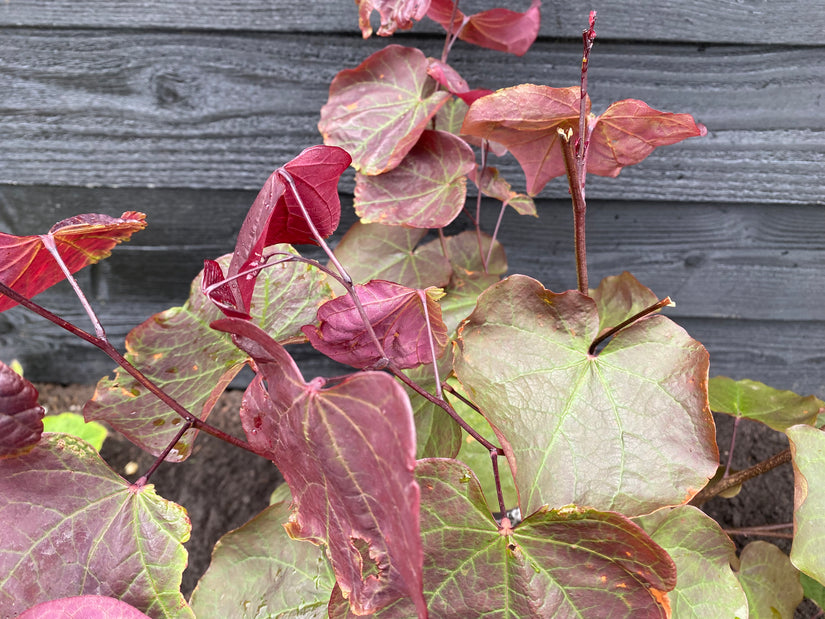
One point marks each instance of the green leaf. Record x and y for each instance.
(754, 400)
(72, 423)
(377, 251)
(426, 190)
(271, 575)
(808, 451)
(770, 581)
(588, 429)
(813, 589)
(71, 526)
(571, 562)
(178, 351)
(378, 110)
(707, 586)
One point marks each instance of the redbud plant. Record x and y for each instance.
(498, 450)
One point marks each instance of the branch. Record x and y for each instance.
(740, 477)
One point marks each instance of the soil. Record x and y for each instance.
(222, 487)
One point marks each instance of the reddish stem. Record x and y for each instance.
(144, 479)
(579, 209)
(740, 477)
(637, 316)
(588, 37)
(451, 37)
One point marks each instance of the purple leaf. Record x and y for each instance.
(72, 526)
(348, 451)
(398, 315)
(378, 110)
(84, 607)
(20, 416)
(276, 217)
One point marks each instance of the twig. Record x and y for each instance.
(588, 37)
(767, 530)
(740, 477)
(579, 208)
(637, 316)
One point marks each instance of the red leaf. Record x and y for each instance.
(449, 78)
(378, 110)
(499, 29)
(526, 120)
(20, 416)
(276, 217)
(395, 15)
(427, 190)
(348, 450)
(397, 315)
(27, 267)
(86, 606)
(629, 130)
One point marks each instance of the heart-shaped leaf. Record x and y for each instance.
(20, 415)
(378, 110)
(426, 190)
(526, 119)
(347, 450)
(269, 572)
(808, 550)
(499, 29)
(178, 351)
(27, 267)
(628, 131)
(770, 581)
(395, 15)
(707, 586)
(598, 423)
(572, 562)
(406, 321)
(87, 606)
(276, 217)
(754, 400)
(71, 526)
(376, 251)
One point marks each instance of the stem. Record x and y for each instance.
(579, 208)
(48, 243)
(741, 476)
(451, 37)
(588, 37)
(423, 296)
(481, 171)
(115, 355)
(442, 403)
(763, 531)
(499, 493)
(346, 280)
(613, 330)
(732, 445)
(142, 481)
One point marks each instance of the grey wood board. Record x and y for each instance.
(778, 21)
(757, 262)
(785, 355)
(217, 110)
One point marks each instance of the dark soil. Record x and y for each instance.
(222, 486)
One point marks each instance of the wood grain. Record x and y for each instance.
(781, 21)
(218, 110)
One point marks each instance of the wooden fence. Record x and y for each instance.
(182, 109)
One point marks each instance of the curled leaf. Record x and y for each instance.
(20, 415)
(27, 267)
(395, 15)
(402, 318)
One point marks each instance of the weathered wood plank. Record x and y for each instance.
(756, 262)
(782, 21)
(222, 110)
(730, 269)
